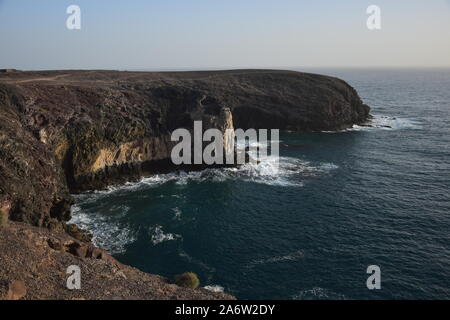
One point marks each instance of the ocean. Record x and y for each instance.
(340, 202)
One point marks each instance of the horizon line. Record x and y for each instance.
(224, 68)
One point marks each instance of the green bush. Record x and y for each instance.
(3, 219)
(187, 280)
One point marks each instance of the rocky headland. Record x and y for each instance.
(64, 132)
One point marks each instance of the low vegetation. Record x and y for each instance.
(187, 280)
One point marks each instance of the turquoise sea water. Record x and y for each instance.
(340, 202)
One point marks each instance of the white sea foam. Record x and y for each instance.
(158, 236)
(282, 171)
(214, 288)
(270, 170)
(379, 122)
(252, 144)
(108, 234)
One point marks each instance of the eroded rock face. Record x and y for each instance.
(32, 184)
(64, 132)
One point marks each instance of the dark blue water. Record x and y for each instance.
(339, 203)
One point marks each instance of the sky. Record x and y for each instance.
(219, 34)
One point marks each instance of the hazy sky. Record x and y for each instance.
(199, 34)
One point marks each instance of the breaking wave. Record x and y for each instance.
(108, 233)
(379, 122)
(282, 171)
(388, 123)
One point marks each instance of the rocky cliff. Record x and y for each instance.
(67, 131)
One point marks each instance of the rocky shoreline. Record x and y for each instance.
(34, 264)
(63, 132)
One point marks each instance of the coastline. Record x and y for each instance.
(114, 126)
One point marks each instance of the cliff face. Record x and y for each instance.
(69, 131)
(32, 184)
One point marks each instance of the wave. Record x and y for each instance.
(271, 170)
(388, 123)
(108, 233)
(274, 171)
(158, 236)
(214, 288)
(112, 235)
(379, 122)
